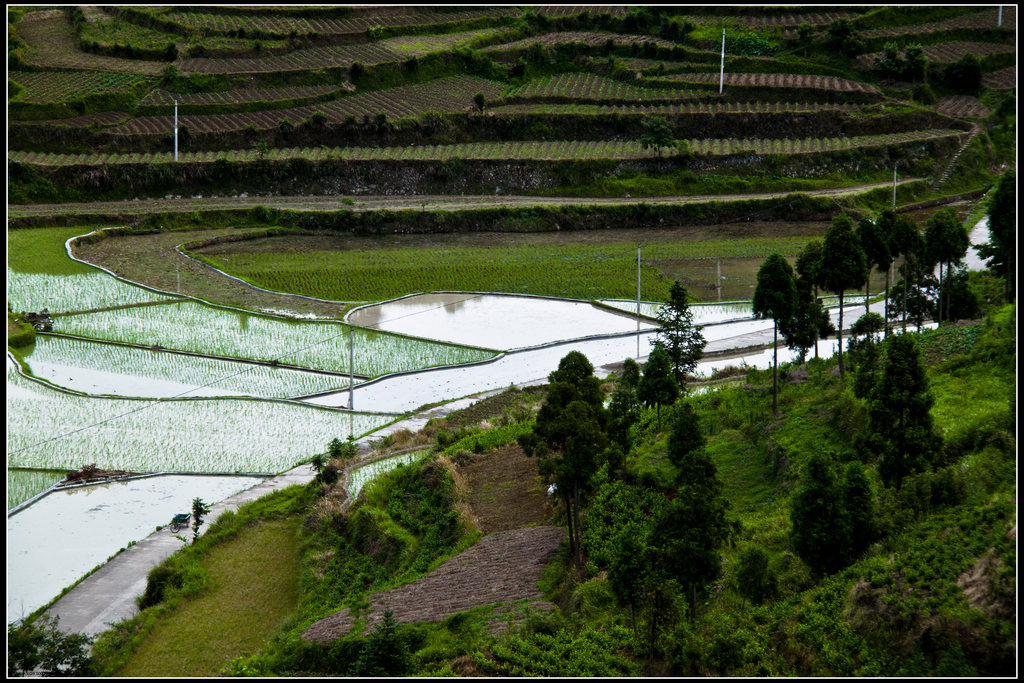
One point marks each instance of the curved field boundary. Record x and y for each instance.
(446, 95)
(503, 567)
(787, 20)
(681, 108)
(1004, 79)
(586, 86)
(105, 118)
(962, 105)
(309, 59)
(53, 45)
(979, 20)
(947, 53)
(42, 87)
(563, 150)
(763, 80)
(158, 97)
(591, 38)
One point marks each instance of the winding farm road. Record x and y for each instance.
(393, 203)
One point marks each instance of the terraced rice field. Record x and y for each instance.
(518, 150)
(451, 94)
(592, 38)
(53, 45)
(788, 20)
(206, 330)
(586, 86)
(419, 45)
(46, 430)
(57, 86)
(159, 97)
(681, 108)
(962, 105)
(99, 368)
(284, 25)
(309, 59)
(22, 485)
(1004, 79)
(103, 118)
(762, 80)
(947, 53)
(979, 20)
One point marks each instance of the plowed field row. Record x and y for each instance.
(300, 60)
(502, 567)
(1004, 79)
(947, 53)
(962, 105)
(780, 81)
(584, 86)
(237, 96)
(285, 25)
(672, 109)
(496, 151)
(52, 44)
(57, 86)
(453, 94)
(813, 19)
(569, 10)
(105, 118)
(983, 20)
(589, 37)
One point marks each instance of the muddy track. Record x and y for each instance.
(502, 568)
(377, 203)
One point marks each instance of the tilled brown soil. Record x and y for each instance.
(505, 491)
(503, 567)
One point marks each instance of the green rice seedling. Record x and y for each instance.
(360, 476)
(48, 429)
(22, 485)
(205, 329)
(139, 368)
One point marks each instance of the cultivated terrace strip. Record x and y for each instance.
(519, 150)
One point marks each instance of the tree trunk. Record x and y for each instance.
(887, 300)
(568, 522)
(867, 293)
(938, 312)
(949, 274)
(839, 335)
(816, 334)
(906, 293)
(775, 370)
(576, 524)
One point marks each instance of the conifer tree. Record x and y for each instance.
(775, 297)
(843, 266)
(1001, 248)
(678, 335)
(900, 429)
(657, 386)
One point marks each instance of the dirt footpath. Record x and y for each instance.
(503, 567)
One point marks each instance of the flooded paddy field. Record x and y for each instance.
(56, 540)
(492, 321)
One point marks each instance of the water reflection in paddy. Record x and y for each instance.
(492, 321)
(56, 540)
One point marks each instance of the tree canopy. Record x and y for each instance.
(843, 266)
(775, 297)
(678, 335)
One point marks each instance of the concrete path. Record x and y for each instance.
(108, 595)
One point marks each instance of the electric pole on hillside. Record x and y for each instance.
(1000, 21)
(721, 74)
(894, 186)
(175, 130)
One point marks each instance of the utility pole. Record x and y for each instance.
(894, 186)
(1000, 22)
(638, 302)
(175, 130)
(721, 75)
(351, 368)
(718, 280)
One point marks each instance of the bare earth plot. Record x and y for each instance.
(963, 105)
(502, 568)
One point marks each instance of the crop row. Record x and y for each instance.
(546, 150)
(758, 107)
(24, 484)
(308, 59)
(772, 19)
(213, 377)
(203, 329)
(103, 118)
(986, 19)
(586, 271)
(569, 10)
(947, 53)
(586, 86)
(452, 94)
(55, 86)
(1004, 79)
(592, 38)
(237, 96)
(283, 25)
(962, 105)
(214, 435)
(779, 81)
(52, 44)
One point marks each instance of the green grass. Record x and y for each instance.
(586, 271)
(254, 588)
